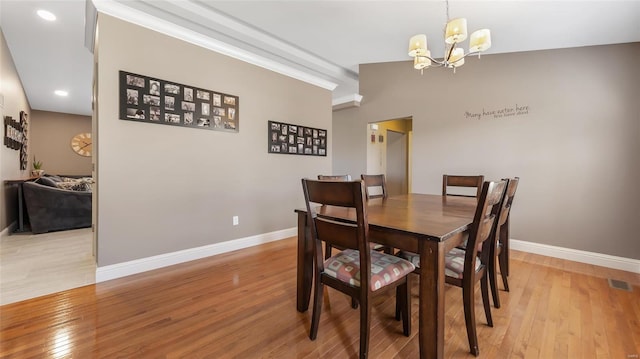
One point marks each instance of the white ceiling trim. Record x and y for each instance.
(218, 19)
(352, 100)
(137, 17)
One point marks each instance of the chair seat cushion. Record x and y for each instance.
(385, 268)
(454, 261)
(375, 246)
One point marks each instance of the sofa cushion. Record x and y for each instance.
(46, 181)
(75, 186)
(54, 178)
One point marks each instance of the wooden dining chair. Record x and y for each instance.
(328, 248)
(378, 182)
(465, 267)
(375, 182)
(461, 181)
(356, 271)
(502, 242)
(334, 178)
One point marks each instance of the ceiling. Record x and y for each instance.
(321, 42)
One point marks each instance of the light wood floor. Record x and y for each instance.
(242, 305)
(32, 265)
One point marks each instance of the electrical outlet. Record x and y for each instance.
(235, 220)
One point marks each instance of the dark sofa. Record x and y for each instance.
(54, 209)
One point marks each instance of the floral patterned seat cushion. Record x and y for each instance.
(454, 261)
(385, 268)
(376, 246)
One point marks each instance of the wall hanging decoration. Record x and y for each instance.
(12, 133)
(24, 149)
(296, 140)
(152, 100)
(16, 136)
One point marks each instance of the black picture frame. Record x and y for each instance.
(292, 139)
(152, 100)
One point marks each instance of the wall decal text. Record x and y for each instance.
(517, 110)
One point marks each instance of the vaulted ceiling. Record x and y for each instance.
(321, 42)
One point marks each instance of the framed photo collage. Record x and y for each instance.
(291, 139)
(151, 100)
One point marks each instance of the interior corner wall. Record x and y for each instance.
(164, 188)
(574, 141)
(51, 134)
(14, 100)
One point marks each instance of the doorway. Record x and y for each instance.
(388, 153)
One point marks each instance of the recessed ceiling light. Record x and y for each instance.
(61, 92)
(47, 15)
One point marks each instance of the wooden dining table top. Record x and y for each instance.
(434, 217)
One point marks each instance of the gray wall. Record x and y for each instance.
(51, 134)
(163, 188)
(576, 151)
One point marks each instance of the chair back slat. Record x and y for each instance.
(375, 181)
(338, 234)
(334, 177)
(483, 226)
(508, 200)
(462, 181)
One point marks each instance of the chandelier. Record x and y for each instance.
(454, 33)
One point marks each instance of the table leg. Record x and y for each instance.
(305, 265)
(431, 316)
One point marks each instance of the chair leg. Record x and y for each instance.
(354, 303)
(399, 302)
(327, 251)
(493, 280)
(502, 259)
(470, 317)
(484, 287)
(405, 289)
(317, 308)
(365, 322)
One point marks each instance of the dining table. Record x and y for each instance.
(428, 224)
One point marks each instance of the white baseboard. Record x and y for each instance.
(163, 260)
(604, 260)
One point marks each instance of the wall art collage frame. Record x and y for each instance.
(152, 100)
(291, 139)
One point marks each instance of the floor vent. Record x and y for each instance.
(619, 284)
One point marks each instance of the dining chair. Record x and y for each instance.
(356, 271)
(334, 178)
(465, 267)
(461, 181)
(502, 242)
(328, 248)
(378, 182)
(376, 246)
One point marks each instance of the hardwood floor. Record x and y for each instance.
(32, 265)
(242, 305)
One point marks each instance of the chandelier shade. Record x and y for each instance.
(480, 40)
(455, 32)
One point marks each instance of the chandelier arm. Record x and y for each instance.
(446, 59)
(439, 63)
(467, 54)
